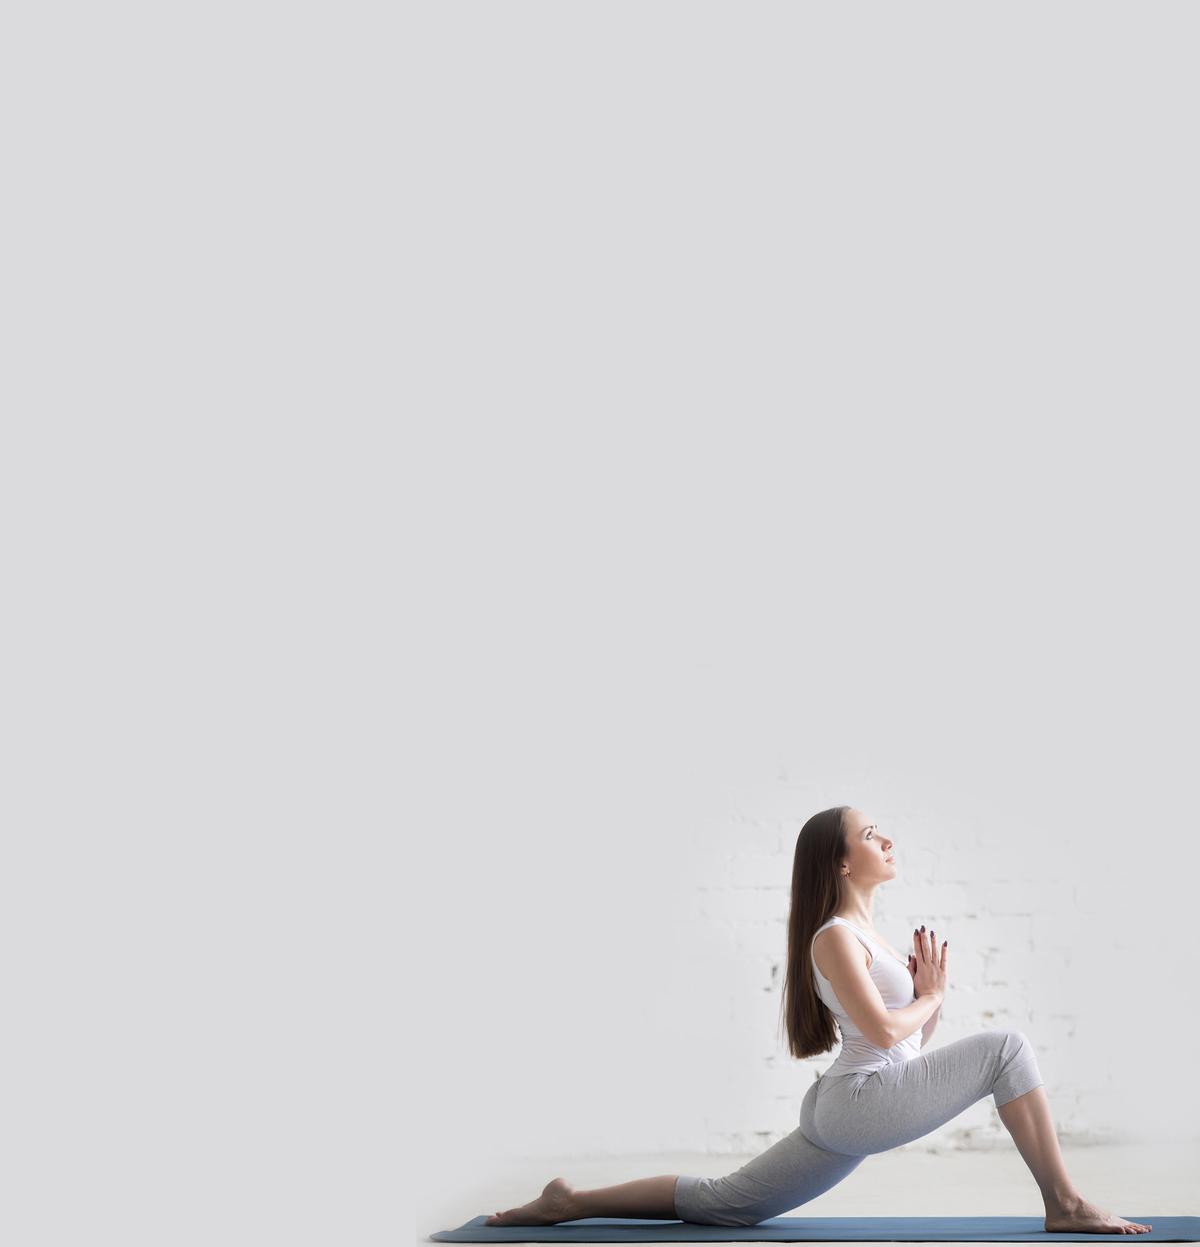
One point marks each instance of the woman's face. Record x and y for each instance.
(868, 851)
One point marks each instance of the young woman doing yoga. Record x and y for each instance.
(884, 1089)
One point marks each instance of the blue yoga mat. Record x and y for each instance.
(814, 1229)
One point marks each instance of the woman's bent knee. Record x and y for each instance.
(1017, 1070)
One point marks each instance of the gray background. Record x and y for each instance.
(475, 478)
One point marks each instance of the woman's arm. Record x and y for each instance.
(930, 1023)
(912, 1018)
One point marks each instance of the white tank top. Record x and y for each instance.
(891, 976)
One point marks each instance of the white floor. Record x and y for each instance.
(1135, 1182)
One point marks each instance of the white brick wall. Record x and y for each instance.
(1014, 945)
(609, 991)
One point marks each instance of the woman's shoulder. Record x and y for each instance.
(831, 938)
(859, 928)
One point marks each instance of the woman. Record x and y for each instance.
(883, 1089)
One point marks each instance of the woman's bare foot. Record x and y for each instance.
(555, 1203)
(1086, 1218)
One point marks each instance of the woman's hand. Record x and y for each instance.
(928, 964)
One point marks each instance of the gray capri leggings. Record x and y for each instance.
(848, 1117)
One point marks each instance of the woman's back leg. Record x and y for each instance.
(789, 1173)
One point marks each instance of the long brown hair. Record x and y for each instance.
(816, 897)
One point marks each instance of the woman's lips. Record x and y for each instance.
(891, 859)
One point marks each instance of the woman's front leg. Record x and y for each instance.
(1027, 1118)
